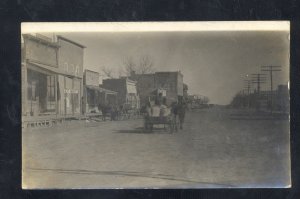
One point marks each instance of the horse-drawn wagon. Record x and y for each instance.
(169, 123)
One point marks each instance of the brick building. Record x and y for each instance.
(171, 82)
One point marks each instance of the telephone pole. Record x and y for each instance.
(271, 69)
(247, 87)
(258, 79)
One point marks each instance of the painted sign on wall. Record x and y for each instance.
(91, 78)
(40, 51)
(70, 57)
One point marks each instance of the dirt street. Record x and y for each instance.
(216, 148)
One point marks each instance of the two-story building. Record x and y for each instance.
(70, 85)
(51, 78)
(171, 83)
(39, 76)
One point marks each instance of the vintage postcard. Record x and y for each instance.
(155, 105)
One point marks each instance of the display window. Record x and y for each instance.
(40, 93)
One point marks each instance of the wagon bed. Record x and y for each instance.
(169, 122)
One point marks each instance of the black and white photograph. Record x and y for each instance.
(155, 105)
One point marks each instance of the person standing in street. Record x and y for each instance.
(164, 109)
(181, 112)
(103, 109)
(174, 111)
(155, 110)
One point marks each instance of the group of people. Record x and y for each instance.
(161, 109)
(109, 110)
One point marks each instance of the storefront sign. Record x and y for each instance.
(70, 91)
(71, 69)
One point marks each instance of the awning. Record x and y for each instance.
(102, 90)
(49, 68)
(45, 67)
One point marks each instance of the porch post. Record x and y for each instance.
(24, 88)
(55, 91)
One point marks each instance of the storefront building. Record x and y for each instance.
(127, 92)
(51, 78)
(93, 95)
(70, 84)
(39, 77)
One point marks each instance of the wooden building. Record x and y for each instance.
(127, 92)
(51, 78)
(94, 95)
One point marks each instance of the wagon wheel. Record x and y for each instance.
(167, 127)
(175, 125)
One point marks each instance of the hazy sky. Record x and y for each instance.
(212, 63)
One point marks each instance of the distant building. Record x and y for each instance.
(282, 98)
(276, 100)
(171, 82)
(185, 91)
(196, 100)
(126, 89)
(94, 95)
(145, 86)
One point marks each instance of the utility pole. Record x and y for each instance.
(258, 79)
(247, 87)
(271, 69)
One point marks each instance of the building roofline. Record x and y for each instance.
(131, 80)
(68, 40)
(50, 43)
(148, 74)
(112, 79)
(91, 71)
(179, 72)
(122, 79)
(99, 88)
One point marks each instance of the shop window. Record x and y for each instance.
(50, 93)
(76, 105)
(31, 91)
(91, 96)
(41, 90)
